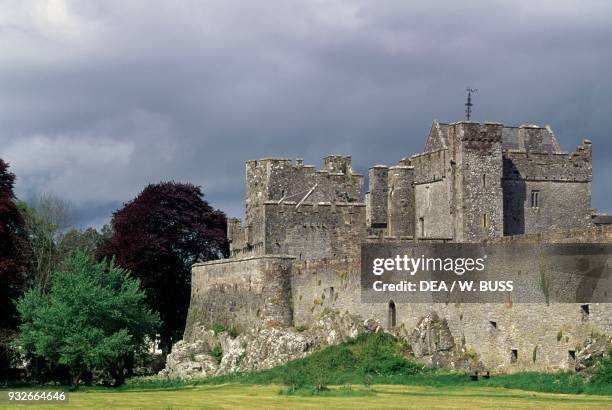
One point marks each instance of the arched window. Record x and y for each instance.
(392, 318)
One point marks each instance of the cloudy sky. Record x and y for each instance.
(100, 98)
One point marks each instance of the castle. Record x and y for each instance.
(297, 254)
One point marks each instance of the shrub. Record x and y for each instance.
(603, 374)
(217, 353)
(218, 328)
(294, 378)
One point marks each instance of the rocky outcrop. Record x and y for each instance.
(595, 348)
(261, 348)
(190, 359)
(433, 344)
(266, 346)
(431, 335)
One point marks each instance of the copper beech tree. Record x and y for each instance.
(13, 262)
(158, 236)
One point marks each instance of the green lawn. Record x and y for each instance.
(236, 396)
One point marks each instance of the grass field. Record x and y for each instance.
(371, 358)
(237, 396)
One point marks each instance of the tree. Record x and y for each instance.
(13, 261)
(94, 318)
(58, 212)
(48, 229)
(87, 241)
(158, 236)
(41, 235)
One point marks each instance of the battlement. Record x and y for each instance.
(546, 166)
(474, 181)
(313, 230)
(467, 131)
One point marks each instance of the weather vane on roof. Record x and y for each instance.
(468, 104)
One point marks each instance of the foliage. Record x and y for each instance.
(218, 328)
(294, 379)
(46, 222)
(158, 236)
(87, 241)
(47, 226)
(13, 263)
(92, 319)
(217, 353)
(603, 371)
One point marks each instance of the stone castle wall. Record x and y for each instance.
(313, 231)
(563, 183)
(240, 292)
(292, 292)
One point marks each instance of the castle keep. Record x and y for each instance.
(296, 255)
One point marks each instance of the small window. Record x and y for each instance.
(484, 180)
(392, 318)
(513, 356)
(535, 199)
(485, 221)
(585, 312)
(571, 356)
(422, 223)
(493, 325)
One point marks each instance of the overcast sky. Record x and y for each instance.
(100, 98)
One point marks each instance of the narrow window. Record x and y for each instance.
(391, 319)
(484, 180)
(584, 310)
(571, 356)
(422, 223)
(513, 356)
(535, 199)
(485, 222)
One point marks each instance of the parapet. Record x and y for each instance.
(474, 131)
(338, 164)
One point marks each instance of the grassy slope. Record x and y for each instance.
(381, 356)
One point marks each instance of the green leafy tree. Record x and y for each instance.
(51, 238)
(87, 241)
(93, 318)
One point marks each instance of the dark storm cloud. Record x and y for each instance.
(101, 98)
